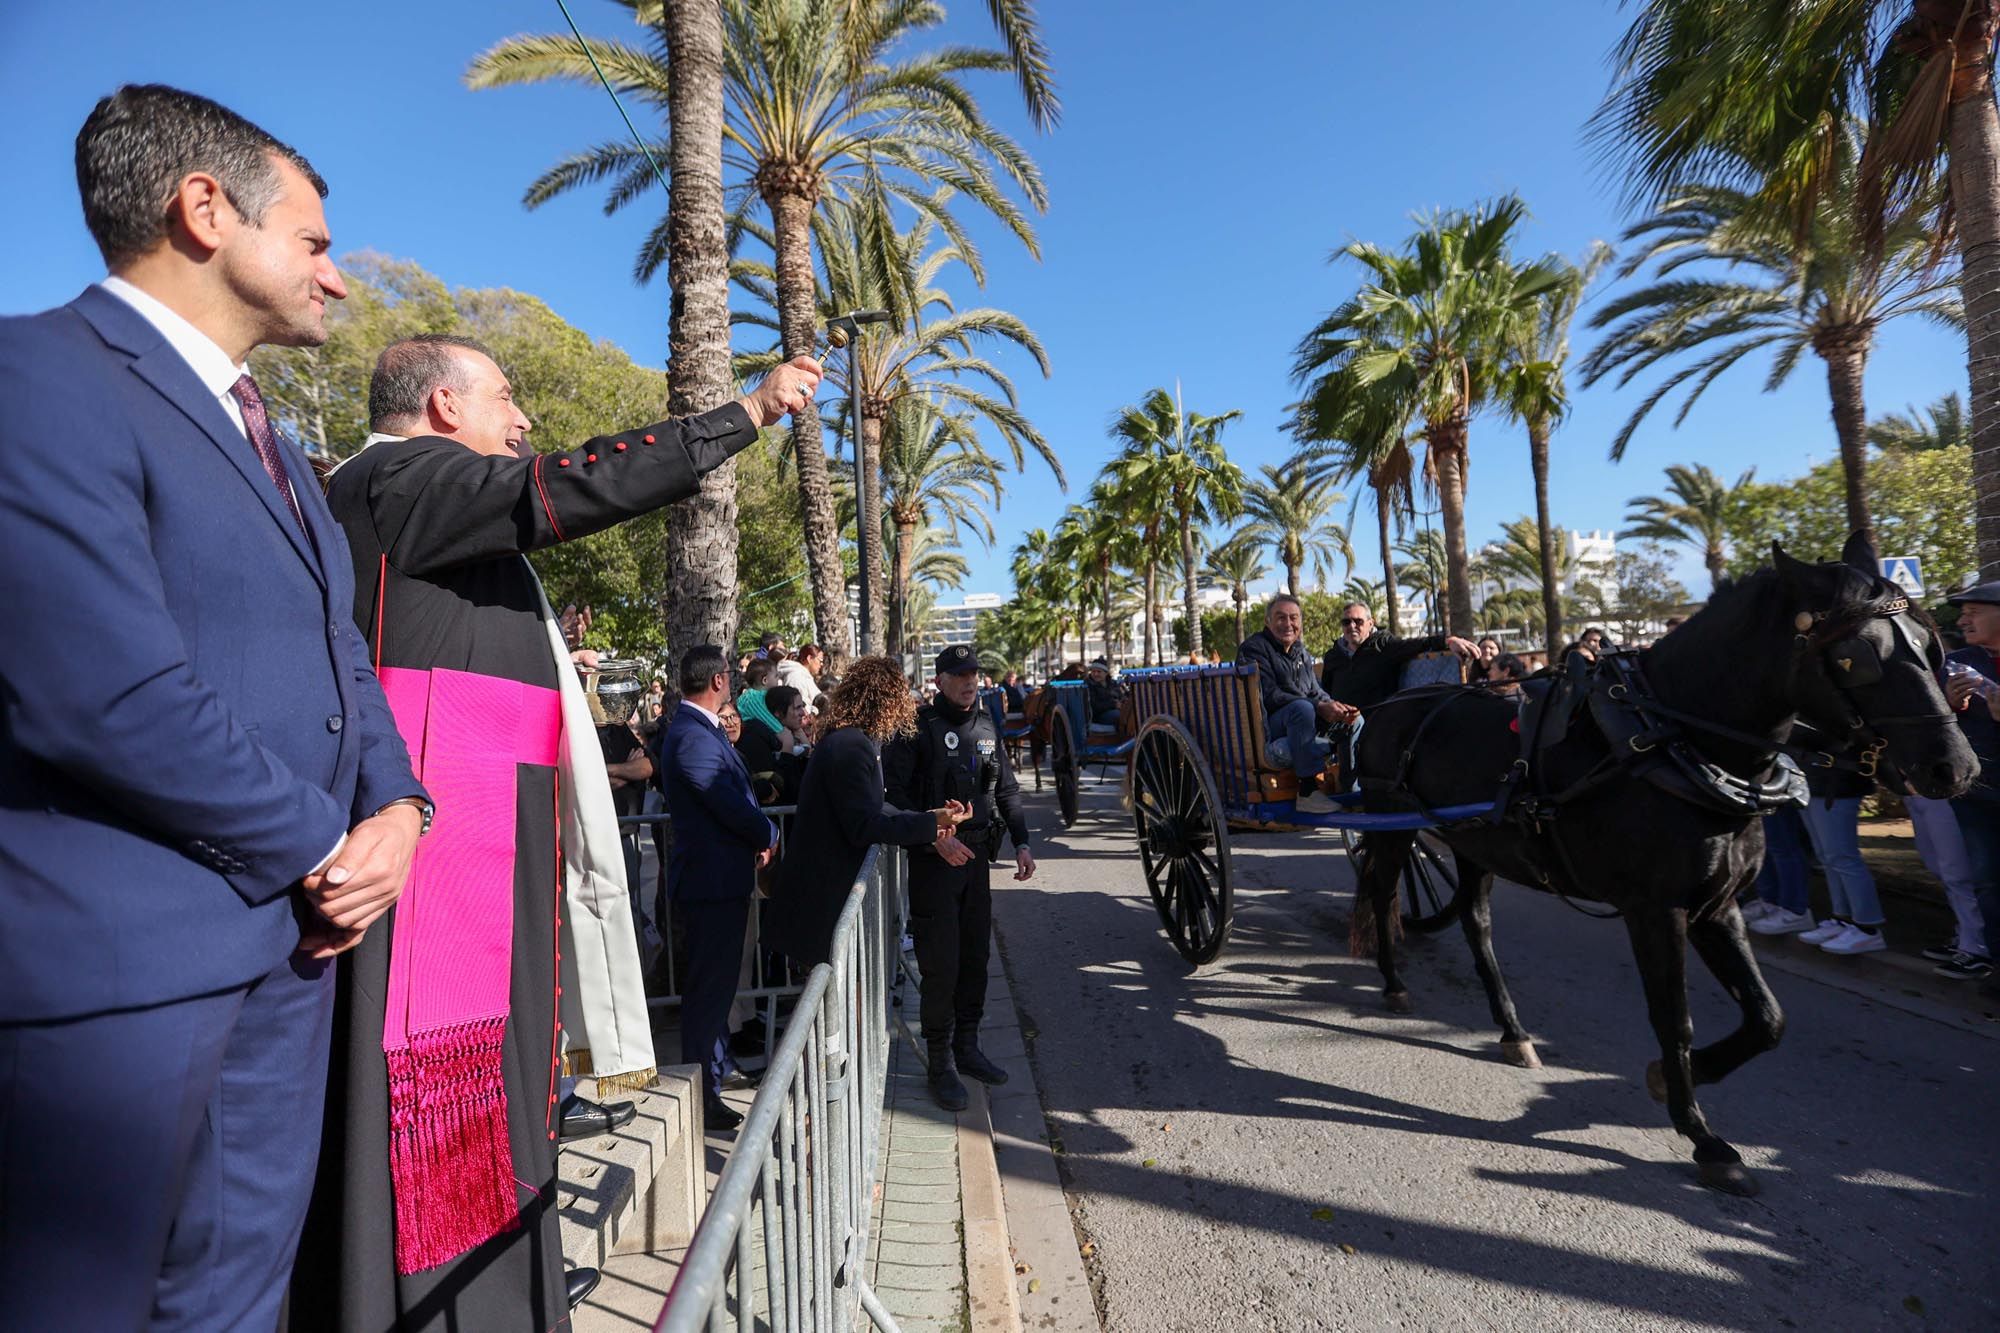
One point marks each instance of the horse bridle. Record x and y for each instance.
(1848, 662)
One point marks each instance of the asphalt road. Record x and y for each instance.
(1259, 1145)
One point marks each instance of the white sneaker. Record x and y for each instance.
(1823, 932)
(1855, 940)
(1318, 803)
(1755, 910)
(1778, 921)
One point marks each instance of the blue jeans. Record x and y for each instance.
(1298, 723)
(1782, 880)
(1835, 829)
(1979, 821)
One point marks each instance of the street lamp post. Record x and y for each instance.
(845, 331)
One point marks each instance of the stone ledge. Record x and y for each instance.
(641, 1188)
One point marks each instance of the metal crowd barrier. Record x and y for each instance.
(783, 1243)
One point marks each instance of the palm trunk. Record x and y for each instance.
(1151, 580)
(700, 603)
(1717, 568)
(899, 583)
(1187, 584)
(1974, 146)
(1104, 572)
(1538, 460)
(1448, 448)
(1394, 609)
(1291, 578)
(791, 215)
(871, 516)
(1845, 351)
(1239, 599)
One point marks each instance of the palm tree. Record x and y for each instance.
(1826, 289)
(1238, 562)
(1520, 561)
(1070, 548)
(1942, 425)
(1378, 453)
(1426, 337)
(930, 349)
(820, 99)
(932, 468)
(1291, 509)
(1533, 390)
(1695, 510)
(1177, 456)
(1427, 570)
(1365, 591)
(1760, 88)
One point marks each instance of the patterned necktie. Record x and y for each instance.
(257, 423)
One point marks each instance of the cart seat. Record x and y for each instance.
(1104, 728)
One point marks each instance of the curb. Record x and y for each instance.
(989, 1265)
(1044, 1269)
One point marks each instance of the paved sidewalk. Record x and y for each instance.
(916, 1259)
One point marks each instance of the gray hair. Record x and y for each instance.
(140, 143)
(411, 369)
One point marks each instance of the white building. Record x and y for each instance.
(954, 624)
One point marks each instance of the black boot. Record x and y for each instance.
(946, 1090)
(972, 1061)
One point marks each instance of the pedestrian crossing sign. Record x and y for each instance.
(1906, 571)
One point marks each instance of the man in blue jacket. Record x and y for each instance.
(202, 793)
(720, 839)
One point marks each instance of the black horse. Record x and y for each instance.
(1832, 643)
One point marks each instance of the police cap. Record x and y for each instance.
(956, 659)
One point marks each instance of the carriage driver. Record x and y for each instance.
(956, 754)
(1296, 709)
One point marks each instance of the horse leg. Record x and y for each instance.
(1659, 945)
(1476, 915)
(1388, 854)
(1725, 948)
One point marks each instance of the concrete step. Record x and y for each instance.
(641, 1188)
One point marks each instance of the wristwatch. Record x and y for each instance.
(428, 810)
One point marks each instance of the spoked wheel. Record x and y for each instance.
(1064, 765)
(1183, 839)
(1430, 880)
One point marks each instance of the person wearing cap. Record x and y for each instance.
(955, 754)
(1972, 686)
(1106, 694)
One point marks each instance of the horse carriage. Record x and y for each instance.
(1201, 765)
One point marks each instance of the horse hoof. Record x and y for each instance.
(1520, 1054)
(1729, 1178)
(1656, 1081)
(1398, 1001)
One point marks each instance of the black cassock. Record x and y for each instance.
(437, 534)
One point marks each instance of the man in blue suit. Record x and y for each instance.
(202, 793)
(720, 838)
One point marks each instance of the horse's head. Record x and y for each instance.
(1868, 671)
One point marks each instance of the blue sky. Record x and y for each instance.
(1210, 158)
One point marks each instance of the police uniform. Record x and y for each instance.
(955, 756)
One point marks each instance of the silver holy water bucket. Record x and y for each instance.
(617, 685)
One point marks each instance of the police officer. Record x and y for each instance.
(956, 754)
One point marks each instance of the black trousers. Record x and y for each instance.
(951, 919)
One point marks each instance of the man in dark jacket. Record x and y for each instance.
(1105, 693)
(1365, 665)
(1295, 706)
(1973, 688)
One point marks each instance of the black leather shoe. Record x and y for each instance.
(972, 1062)
(585, 1119)
(747, 1042)
(581, 1282)
(720, 1115)
(946, 1090)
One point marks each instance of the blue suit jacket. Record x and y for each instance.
(718, 827)
(188, 721)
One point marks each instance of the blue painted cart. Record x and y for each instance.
(1076, 742)
(1200, 766)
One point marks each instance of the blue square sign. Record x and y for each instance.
(1906, 571)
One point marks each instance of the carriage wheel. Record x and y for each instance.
(1064, 766)
(1183, 839)
(1430, 880)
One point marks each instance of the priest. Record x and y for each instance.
(436, 1202)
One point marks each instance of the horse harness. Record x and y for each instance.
(1652, 741)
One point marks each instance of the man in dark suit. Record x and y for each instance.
(202, 794)
(721, 838)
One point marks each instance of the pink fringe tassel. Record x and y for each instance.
(449, 1159)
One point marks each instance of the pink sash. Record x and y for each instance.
(450, 960)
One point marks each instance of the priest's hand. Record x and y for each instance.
(366, 874)
(787, 389)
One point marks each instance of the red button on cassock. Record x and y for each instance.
(562, 462)
(590, 458)
(619, 447)
(648, 439)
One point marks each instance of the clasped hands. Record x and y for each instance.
(360, 881)
(949, 816)
(1333, 711)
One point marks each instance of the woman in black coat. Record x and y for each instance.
(842, 812)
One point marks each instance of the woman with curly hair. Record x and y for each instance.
(841, 809)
